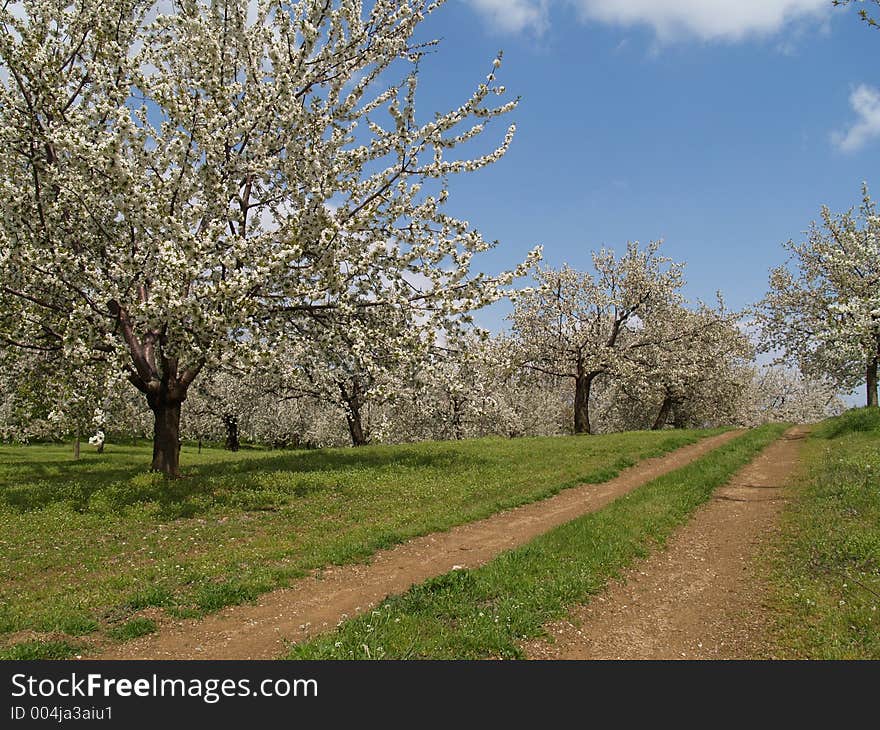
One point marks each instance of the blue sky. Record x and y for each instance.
(720, 126)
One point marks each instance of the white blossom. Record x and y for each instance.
(580, 326)
(193, 189)
(822, 312)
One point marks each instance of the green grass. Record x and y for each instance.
(86, 545)
(488, 611)
(132, 629)
(826, 570)
(40, 650)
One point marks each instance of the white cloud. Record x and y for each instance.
(705, 19)
(865, 101)
(514, 16)
(670, 19)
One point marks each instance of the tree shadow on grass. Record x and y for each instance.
(255, 483)
(340, 459)
(61, 470)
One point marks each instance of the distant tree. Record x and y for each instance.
(470, 387)
(579, 325)
(774, 393)
(227, 398)
(695, 353)
(449, 392)
(352, 360)
(823, 308)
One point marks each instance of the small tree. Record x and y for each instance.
(823, 308)
(354, 360)
(224, 398)
(696, 351)
(579, 326)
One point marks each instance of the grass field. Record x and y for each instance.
(88, 545)
(486, 612)
(827, 566)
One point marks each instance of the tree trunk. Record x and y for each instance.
(76, 444)
(582, 385)
(355, 426)
(663, 415)
(457, 432)
(353, 404)
(166, 437)
(871, 379)
(231, 423)
(157, 375)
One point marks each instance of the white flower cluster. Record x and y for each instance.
(581, 326)
(822, 312)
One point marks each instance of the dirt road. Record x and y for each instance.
(701, 598)
(319, 602)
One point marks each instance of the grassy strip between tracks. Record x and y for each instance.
(486, 612)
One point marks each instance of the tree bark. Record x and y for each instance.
(457, 432)
(582, 385)
(355, 425)
(166, 436)
(353, 404)
(871, 378)
(76, 444)
(663, 415)
(231, 423)
(159, 377)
